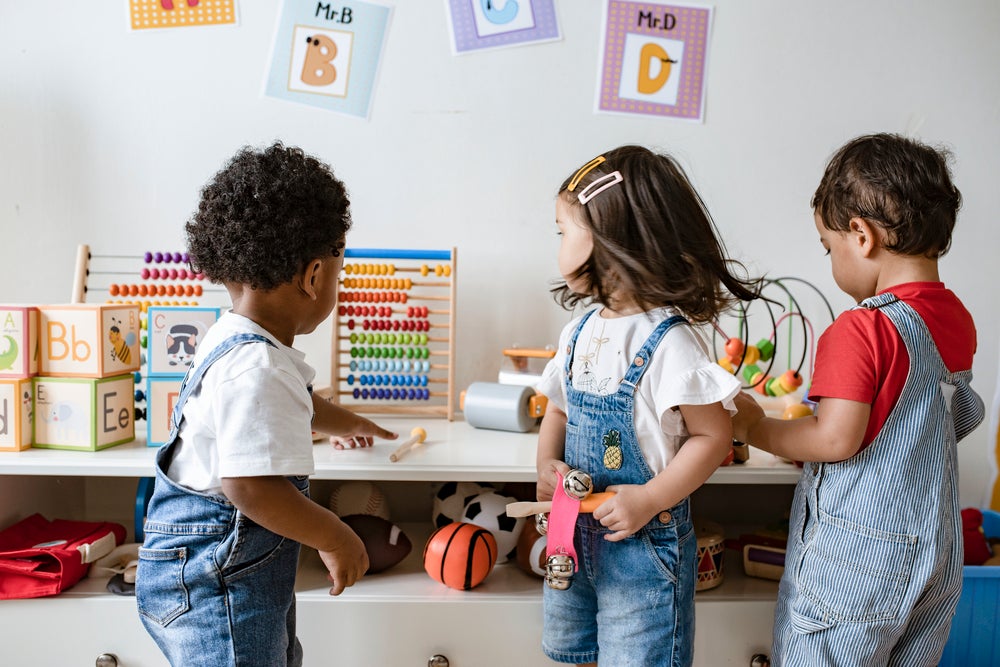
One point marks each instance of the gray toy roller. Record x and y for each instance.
(502, 407)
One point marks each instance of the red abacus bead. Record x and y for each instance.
(173, 274)
(424, 310)
(734, 349)
(341, 310)
(143, 290)
(144, 274)
(133, 290)
(197, 290)
(350, 324)
(113, 289)
(188, 290)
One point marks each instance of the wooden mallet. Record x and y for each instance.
(417, 435)
(588, 504)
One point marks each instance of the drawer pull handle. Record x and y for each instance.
(438, 660)
(106, 660)
(760, 660)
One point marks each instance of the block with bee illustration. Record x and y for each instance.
(174, 333)
(16, 411)
(18, 341)
(83, 413)
(89, 340)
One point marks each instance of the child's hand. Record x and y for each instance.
(629, 510)
(547, 478)
(361, 433)
(346, 563)
(746, 419)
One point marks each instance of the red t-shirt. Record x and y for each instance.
(862, 358)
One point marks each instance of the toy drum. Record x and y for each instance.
(711, 549)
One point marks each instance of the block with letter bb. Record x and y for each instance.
(84, 413)
(174, 333)
(18, 341)
(161, 395)
(16, 408)
(89, 340)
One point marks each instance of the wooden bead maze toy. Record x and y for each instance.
(393, 348)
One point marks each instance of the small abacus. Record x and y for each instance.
(163, 278)
(394, 332)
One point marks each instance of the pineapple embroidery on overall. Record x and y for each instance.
(612, 450)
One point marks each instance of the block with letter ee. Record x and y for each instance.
(84, 413)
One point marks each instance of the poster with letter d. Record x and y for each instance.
(654, 59)
(327, 54)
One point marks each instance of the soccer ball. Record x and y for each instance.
(451, 499)
(489, 510)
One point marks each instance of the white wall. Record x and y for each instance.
(106, 137)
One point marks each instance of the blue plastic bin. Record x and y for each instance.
(975, 631)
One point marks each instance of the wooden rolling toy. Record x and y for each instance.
(417, 436)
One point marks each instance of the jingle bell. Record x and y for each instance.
(578, 484)
(542, 523)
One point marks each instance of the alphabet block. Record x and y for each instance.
(161, 395)
(16, 409)
(84, 413)
(174, 333)
(18, 341)
(89, 340)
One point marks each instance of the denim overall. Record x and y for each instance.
(874, 565)
(214, 588)
(640, 590)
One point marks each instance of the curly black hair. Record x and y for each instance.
(654, 240)
(896, 183)
(265, 215)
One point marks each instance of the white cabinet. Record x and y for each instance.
(398, 618)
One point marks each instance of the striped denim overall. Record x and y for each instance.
(640, 590)
(874, 564)
(213, 588)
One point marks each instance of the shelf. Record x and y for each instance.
(453, 451)
(408, 582)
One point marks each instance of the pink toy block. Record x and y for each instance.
(18, 341)
(84, 413)
(16, 409)
(89, 340)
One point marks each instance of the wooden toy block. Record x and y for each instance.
(18, 341)
(161, 395)
(173, 334)
(84, 413)
(89, 340)
(16, 409)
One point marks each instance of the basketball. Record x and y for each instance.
(460, 555)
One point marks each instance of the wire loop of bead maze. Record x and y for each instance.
(393, 342)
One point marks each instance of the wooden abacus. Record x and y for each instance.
(153, 278)
(393, 348)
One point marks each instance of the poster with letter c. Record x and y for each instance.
(654, 59)
(327, 54)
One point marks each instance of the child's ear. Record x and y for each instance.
(866, 236)
(311, 278)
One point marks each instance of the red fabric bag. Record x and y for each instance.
(39, 557)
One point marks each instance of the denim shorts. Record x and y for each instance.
(631, 602)
(214, 588)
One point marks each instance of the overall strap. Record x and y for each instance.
(571, 347)
(641, 360)
(194, 375)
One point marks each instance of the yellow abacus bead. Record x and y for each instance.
(407, 284)
(751, 355)
(773, 388)
(438, 270)
(348, 269)
(392, 269)
(447, 269)
(424, 269)
(790, 381)
(726, 364)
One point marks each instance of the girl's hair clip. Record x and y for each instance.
(583, 171)
(599, 185)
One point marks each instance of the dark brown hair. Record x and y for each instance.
(265, 215)
(896, 183)
(653, 240)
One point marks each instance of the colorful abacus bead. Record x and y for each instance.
(727, 364)
(751, 355)
(734, 350)
(752, 375)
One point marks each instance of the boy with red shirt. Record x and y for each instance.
(874, 564)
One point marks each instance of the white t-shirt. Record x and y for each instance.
(250, 417)
(680, 372)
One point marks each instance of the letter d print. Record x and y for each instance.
(321, 61)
